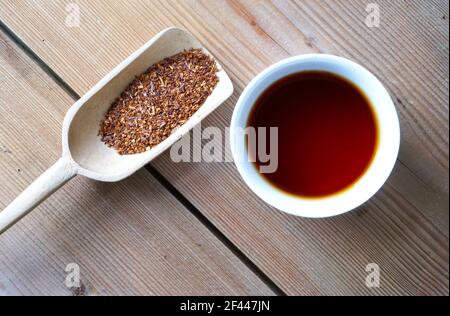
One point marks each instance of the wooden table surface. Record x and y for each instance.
(195, 228)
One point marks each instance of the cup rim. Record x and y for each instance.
(373, 178)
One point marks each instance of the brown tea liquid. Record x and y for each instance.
(327, 132)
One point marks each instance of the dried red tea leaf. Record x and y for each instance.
(159, 100)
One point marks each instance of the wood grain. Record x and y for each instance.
(404, 228)
(131, 237)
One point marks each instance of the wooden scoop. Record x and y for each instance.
(83, 151)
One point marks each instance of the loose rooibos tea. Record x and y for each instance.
(327, 132)
(159, 100)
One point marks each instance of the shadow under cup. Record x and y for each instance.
(388, 137)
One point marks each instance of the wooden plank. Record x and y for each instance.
(404, 228)
(131, 237)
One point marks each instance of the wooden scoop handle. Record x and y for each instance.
(51, 180)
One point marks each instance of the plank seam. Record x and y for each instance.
(217, 233)
(33, 56)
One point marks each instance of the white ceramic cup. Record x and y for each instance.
(367, 185)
